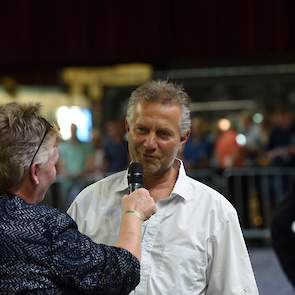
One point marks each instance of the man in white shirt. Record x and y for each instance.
(193, 244)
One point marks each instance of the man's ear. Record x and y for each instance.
(184, 137)
(34, 173)
(127, 128)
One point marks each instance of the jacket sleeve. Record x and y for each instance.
(82, 264)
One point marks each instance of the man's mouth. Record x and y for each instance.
(149, 157)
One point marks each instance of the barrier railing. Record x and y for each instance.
(256, 193)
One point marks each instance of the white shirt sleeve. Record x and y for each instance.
(230, 271)
(75, 212)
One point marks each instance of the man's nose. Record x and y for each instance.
(150, 141)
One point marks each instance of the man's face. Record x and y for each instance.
(154, 137)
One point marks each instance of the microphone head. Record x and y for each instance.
(135, 173)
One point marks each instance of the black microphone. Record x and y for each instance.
(135, 176)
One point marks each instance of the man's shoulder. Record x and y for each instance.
(206, 194)
(109, 184)
(99, 199)
(112, 180)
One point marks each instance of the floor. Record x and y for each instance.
(269, 276)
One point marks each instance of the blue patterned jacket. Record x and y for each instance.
(42, 252)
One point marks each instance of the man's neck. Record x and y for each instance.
(160, 187)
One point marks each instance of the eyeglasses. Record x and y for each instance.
(48, 127)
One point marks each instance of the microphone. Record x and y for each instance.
(135, 176)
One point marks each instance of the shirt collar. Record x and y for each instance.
(181, 188)
(122, 185)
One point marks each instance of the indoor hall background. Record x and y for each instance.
(41, 38)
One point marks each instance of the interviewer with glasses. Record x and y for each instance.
(42, 251)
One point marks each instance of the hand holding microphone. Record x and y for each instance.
(139, 202)
(137, 207)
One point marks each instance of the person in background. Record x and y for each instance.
(198, 149)
(281, 145)
(228, 152)
(194, 243)
(281, 150)
(115, 147)
(256, 138)
(72, 165)
(96, 164)
(42, 251)
(283, 234)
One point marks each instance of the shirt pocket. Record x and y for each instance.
(182, 270)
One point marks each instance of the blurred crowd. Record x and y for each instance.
(253, 139)
(247, 140)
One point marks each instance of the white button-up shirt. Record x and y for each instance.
(192, 245)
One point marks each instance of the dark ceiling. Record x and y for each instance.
(39, 37)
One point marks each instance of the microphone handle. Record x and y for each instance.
(134, 186)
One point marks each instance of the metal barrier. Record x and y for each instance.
(256, 192)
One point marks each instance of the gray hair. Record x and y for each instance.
(21, 132)
(164, 92)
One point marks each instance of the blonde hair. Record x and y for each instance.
(24, 138)
(164, 92)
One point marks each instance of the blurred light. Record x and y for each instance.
(224, 124)
(258, 118)
(241, 139)
(81, 117)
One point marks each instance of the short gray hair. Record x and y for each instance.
(163, 92)
(21, 132)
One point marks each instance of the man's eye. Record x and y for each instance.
(163, 134)
(141, 130)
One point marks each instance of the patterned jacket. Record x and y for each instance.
(42, 252)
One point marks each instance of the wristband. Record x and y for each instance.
(138, 214)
